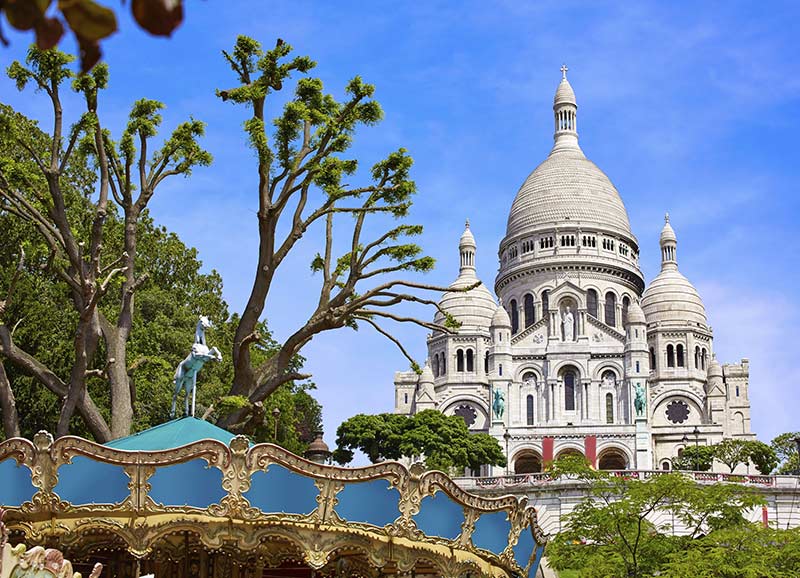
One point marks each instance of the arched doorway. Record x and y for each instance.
(528, 463)
(612, 459)
(568, 452)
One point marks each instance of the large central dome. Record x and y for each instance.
(567, 216)
(567, 186)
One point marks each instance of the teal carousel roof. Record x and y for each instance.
(172, 434)
(188, 486)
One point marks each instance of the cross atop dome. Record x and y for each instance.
(666, 217)
(564, 70)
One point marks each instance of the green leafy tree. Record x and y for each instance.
(786, 451)
(732, 452)
(612, 533)
(304, 181)
(763, 456)
(696, 458)
(445, 442)
(742, 551)
(72, 217)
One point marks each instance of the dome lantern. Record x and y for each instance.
(466, 249)
(669, 245)
(565, 112)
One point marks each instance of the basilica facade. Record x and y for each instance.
(578, 354)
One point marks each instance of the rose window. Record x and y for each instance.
(467, 413)
(678, 411)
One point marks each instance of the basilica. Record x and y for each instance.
(578, 354)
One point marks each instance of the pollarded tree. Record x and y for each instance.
(302, 181)
(445, 441)
(70, 209)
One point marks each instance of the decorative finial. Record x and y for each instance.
(666, 217)
(467, 224)
(564, 71)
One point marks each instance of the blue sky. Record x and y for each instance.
(689, 107)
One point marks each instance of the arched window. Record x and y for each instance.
(500, 369)
(625, 304)
(530, 314)
(486, 363)
(611, 309)
(569, 391)
(460, 360)
(545, 302)
(679, 355)
(514, 316)
(637, 367)
(436, 365)
(703, 359)
(443, 364)
(670, 356)
(697, 357)
(609, 408)
(529, 408)
(665, 465)
(652, 359)
(591, 303)
(470, 360)
(405, 398)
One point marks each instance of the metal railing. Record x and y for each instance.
(544, 478)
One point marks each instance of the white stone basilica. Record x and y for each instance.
(579, 356)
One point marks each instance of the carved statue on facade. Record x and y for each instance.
(568, 322)
(499, 403)
(187, 370)
(639, 402)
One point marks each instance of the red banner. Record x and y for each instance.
(547, 450)
(590, 449)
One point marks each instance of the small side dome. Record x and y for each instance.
(635, 314)
(501, 318)
(564, 92)
(467, 238)
(714, 368)
(473, 308)
(668, 233)
(671, 297)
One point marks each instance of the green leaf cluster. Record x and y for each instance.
(443, 442)
(616, 532)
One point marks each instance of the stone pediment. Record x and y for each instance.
(599, 331)
(566, 288)
(535, 334)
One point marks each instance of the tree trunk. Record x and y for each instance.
(8, 406)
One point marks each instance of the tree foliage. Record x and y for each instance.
(615, 532)
(444, 442)
(306, 180)
(89, 21)
(66, 185)
(785, 449)
(695, 458)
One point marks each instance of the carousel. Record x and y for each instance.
(187, 499)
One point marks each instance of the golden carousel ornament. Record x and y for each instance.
(188, 499)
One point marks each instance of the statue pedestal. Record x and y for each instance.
(644, 445)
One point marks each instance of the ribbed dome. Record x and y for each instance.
(671, 297)
(714, 368)
(568, 187)
(564, 93)
(635, 313)
(668, 233)
(474, 309)
(501, 318)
